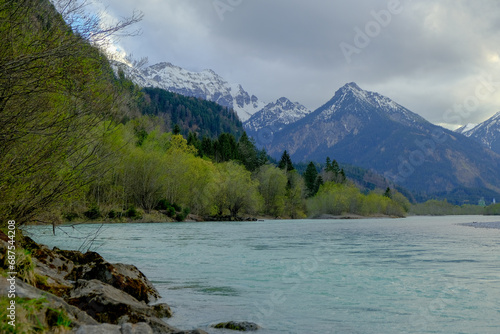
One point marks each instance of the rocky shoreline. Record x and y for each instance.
(93, 295)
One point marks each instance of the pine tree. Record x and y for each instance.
(310, 177)
(177, 129)
(207, 147)
(335, 167)
(342, 177)
(286, 162)
(328, 164)
(318, 184)
(248, 153)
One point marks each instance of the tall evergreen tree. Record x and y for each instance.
(207, 147)
(248, 153)
(310, 178)
(286, 162)
(328, 166)
(225, 148)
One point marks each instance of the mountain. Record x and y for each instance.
(206, 84)
(274, 117)
(369, 130)
(466, 128)
(487, 133)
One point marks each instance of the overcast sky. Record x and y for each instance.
(428, 56)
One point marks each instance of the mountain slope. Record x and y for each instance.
(372, 131)
(274, 117)
(487, 133)
(191, 114)
(205, 84)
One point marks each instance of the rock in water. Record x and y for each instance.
(238, 326)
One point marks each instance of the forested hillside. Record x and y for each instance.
(79, 142)
(191, 114)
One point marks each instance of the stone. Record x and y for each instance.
(98, 329)
(64, 267)
(26, 291)
(106, 303)
(162, 310)
(238, 326)
(139, 328)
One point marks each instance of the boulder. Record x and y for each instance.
(238, 326)
(106, 303)
(64, 267)
(126, 328)
(26, 291)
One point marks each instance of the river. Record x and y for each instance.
(412, 275)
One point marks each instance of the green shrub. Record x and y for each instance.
(114, 214)
(163, 204)
(493, 209)
(170, 212)
(71, 216)
(133, 213)
(93, 213)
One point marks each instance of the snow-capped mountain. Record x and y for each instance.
(206, 84)
(487, 133)
(466, 128)
(372, 131)
(349, 111)
(356, 101)
(276, 115)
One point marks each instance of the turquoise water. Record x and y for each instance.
(413, 275)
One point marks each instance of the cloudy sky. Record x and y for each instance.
(440, 59)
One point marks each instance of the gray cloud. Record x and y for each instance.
(427, 55)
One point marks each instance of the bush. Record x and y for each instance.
(182, 215)
(493, 209)
(163, 204)
(114, 214)
(132, 213)
(93, 213)
(170, 212)
(337, 199)
(71, 216)
(176, 207)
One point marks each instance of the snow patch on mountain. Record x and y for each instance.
(466, 128)
(352, 97)
(487, 133)
(277, 115)
(206, 84)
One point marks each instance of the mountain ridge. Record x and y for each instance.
(486, 133)
(205, 84)
(372, 131)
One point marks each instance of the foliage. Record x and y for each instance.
(337, 199)
(295, 206)
(93, 213)
(190, 114)
(443, 208)
(286, 162)
(312, 181)
(493, 209)
(55, 92)
(236, 191)
(272, 187)
(34, 316)
(27, 315)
